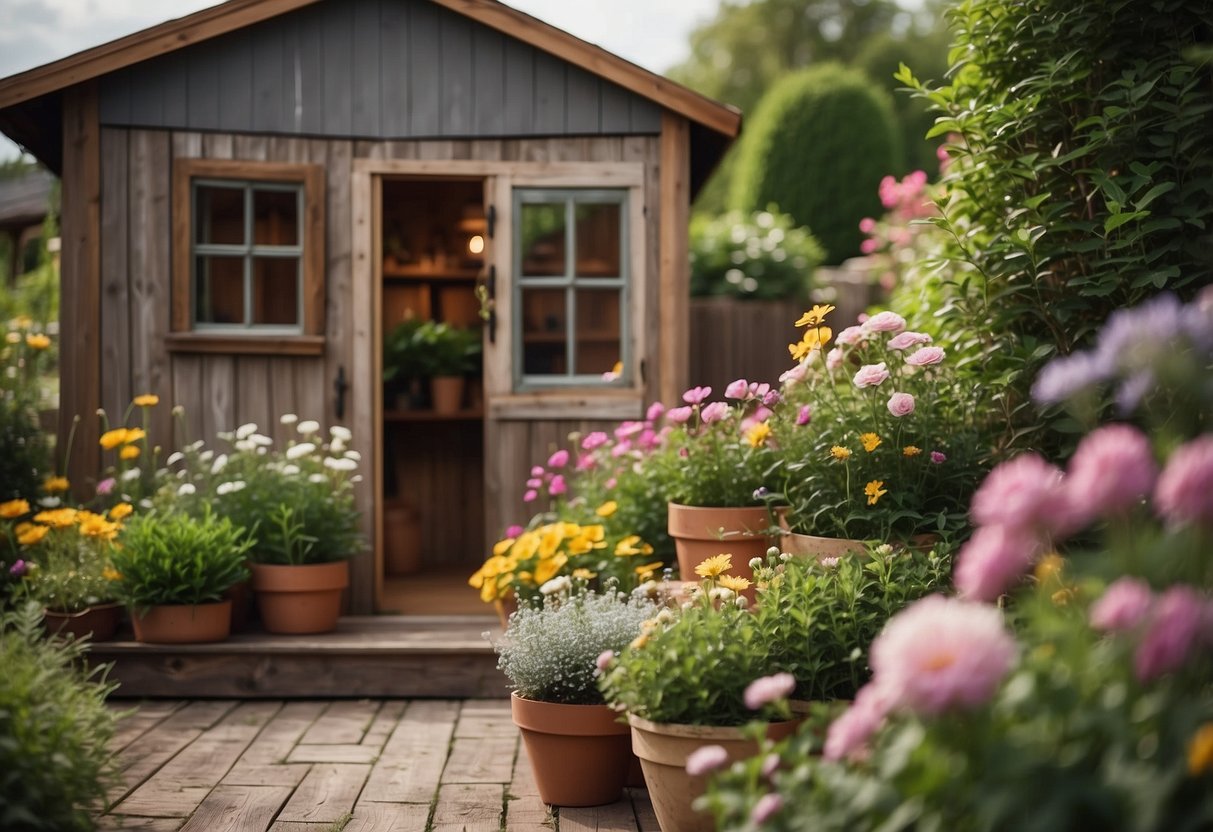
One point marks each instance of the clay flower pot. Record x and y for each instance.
(702, 532)
(663, 750)
(821, 547)
(446, 393)
(99, 622)
(183, 623)
(300, 599)
(580, 754)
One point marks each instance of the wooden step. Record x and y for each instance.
(367, 656)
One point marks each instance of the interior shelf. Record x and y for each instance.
(415, 272)
(431, 415)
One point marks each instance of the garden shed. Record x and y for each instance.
(256, 195)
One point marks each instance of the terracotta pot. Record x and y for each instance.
(663, 751)
(401, 539)
(699, 533)
(446, 393)
(580, 753)
(506, 606)
(821, 547)
(183, 623)
(241, 596)
(98, 623)
(300, 599)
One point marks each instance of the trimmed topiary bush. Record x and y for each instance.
(760, 256)
(817, 147)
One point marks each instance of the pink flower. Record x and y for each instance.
(991, 561)
(514, 530)
(1110, 472)
(714, 412)
(771, 398)
(738, 389)
(758, 391)
(804, 415)
(648, 440)
(604, 660)
(696, 395)
(534, 482)
(794, 375)
(834, 359)
(530, 496)
(557, 486)
(678, 415)
(884, 322)
(586, 462)
(19, 568)
(870, 375)
(1173, 630)
(594, 440)
(1123, 606)
(938, 458)
(559, 459)
(850, 336)
(766, 808)
(706, 759)
(1025, 492)
(621, 448)
(942, 653)
(654, 412)
(907, 339)
(1184, 493)
(868, 246)
(768, 689)
(867, 225)
(106, 486)
(537, 471)
(926, 356)
(609, 484)
(901, 404)
(850, 732)
(770, 764)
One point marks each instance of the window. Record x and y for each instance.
(248, 257)
(571, 288)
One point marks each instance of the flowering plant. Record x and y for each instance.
(25, 357)
(551, 653)
(902, 242)
(879, 439)
(762, 256)
(297, 503)
(134, 460)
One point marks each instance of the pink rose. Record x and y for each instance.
(993, 559)
(867, 225)
(794, 375)
(1173, 630)
(1184, 493)
(696, 395)
(834, 359)
(926, 356)
(901, 404)
(595, 440)
(804, 415)
(738, 389)
(766, 808)
(714, 412)
(626, 429)
(1112, 470)
(884, 322)
(850, 336)
(768, 689)
(530, 496)
(557, 486)
(678, 415)
(537, 471)
(771, 398)
(907, 339)
(706, 759)
(1123, 606)
(849, 733)
(870, 375)
(558, 459)
(534, 482)
(654, 412)
(621, 448)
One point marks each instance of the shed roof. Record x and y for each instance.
(30, 106)
(25, 197)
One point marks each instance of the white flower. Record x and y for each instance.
(244, 445)
(246, 430)
(354, 455)
(755, 563)
(262, 450)
(218, 464)
(296, 451)
(229, 487)
(130, 474)
(336, 447)
(225, 435)
(308, 428)
(195, 446)
(290, 470)
(145, 503)
(338, 464)
(186, 489)
(338, 432)
(183, 473)
(316, 478)
(288, 419)
(52, 502)
(560, 583)
(174, 458)
(356, 478)
(260, 439)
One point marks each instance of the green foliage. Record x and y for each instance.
(423, 348)
(54, 729)
(178, 559)
(549, 653)
(24, 454)
(70, 568)
(1082, 175)
(762, 256)
(817, 147)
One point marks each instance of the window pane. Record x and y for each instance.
(598, 333)
(275, 217)
(598, 240)
(276, 290)
(544, 332)
(220, 290)
(220, 215)
(542, 231)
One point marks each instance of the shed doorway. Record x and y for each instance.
(433, 234)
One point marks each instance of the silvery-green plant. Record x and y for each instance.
(550, 652)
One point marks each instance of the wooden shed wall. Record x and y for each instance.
(372, 69)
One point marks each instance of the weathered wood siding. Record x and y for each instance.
(371, 69)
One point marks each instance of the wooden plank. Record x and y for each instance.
(615, 116)
(115, 295)
(646, 818)
(468, 807)
(550, 90)
(425, 53)
(332, 753)
(518, 102)
(525, 812)
(123, 823)
(481, 760)
(367, 81)
(243, 774)
(219, 399)
(282, 733)
(674, 274)
(364, 358)
(237, 809)
(342, 722)
(154, 748)
(236, 81)
(613, 817)
(456, 96)
(327, 793)
(388, 817)
(337, 26)
(384, 723)
(485, 718)
(395, 72)
(411, 765)
(294, 826)
(582, 104)
(134, 722)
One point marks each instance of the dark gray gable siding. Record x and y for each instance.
(375, 69)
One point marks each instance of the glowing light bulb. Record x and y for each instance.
(476, 244)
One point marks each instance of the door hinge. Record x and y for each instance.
(490, 217)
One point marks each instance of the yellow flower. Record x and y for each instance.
(113, 438)
(525, 546)
(58, 518)
(813, 339)
(733, 582)
(95, 525)
(111, 574)
(875, 490)
(584, 574)
(146, 400)
(129, 452)
(32, 535)
(640, 641)
(715, 566)
(646, 571)
(1200, 750)
(757, 435)
(37, 341)
(13, 508)
(607, 508)
(550, 538)
(870, 441)
(22, 322)
(839, 452)
(815, 315)
(503, 546)
(12, 337)
(911, 450)
(54, 484)
(1049, 567)
(124, 510)
(134, 435)
(632, 545)
(1062, 597)
(594, 533)
(550, 568)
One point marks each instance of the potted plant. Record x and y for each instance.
(173, 570)
(579, 750)
(690, 684)
(404, 364)
(64, 556)
(450, 354)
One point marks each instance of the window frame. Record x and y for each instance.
(570, 282)
(189, 335)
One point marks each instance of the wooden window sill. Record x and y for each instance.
(616, 405)
(245, 344)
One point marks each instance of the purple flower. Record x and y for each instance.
(1172, 631)
(768, 689)
(559, 459)
(766, 808)
(706, 759)
(850, 732)
(1062, 377)
(804, 415)
(771, 398)
(595, 440)
(696, 395)
(1112, 470)
(901, 404)
(760, 492)
(654, 412)
(926, 357)
(907, 339)
(678, 415)
(884, 322)
(738, 389)
(514, 530)
(938, 458)
(714, 412)
(18, 569)
(991, 561)
(1123, 606)
(1184, 493)
(106, 486)
(870, 375)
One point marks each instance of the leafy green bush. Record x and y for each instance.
(54, 729)
(762, 255)
(25, 357)
(817, 147)
(423, 348)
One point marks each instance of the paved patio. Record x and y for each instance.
(322, 766)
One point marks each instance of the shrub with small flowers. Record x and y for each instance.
(762, 256)
(24, 359)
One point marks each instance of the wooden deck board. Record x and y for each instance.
(327, 794)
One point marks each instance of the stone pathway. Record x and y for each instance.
(423, 765)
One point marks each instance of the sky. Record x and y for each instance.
(652, 33)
